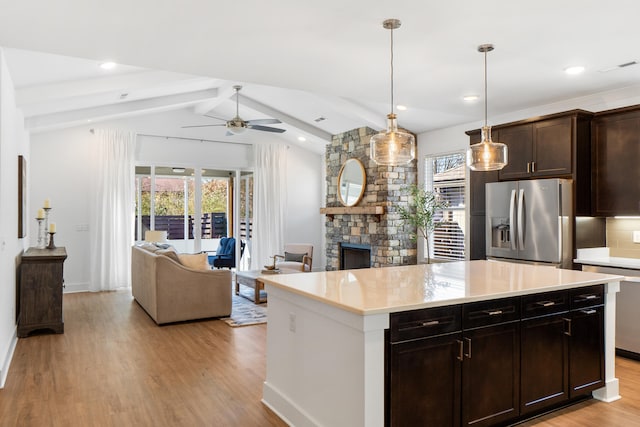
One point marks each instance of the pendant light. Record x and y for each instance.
(486, 155)
(392, 147)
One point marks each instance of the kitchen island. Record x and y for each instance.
(331, 358)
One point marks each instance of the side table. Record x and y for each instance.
(40, 290)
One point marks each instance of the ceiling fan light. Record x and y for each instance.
(392, 147)
(487, 155)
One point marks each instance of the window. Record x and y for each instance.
(445, 175)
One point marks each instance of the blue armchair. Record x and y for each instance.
(226, 253)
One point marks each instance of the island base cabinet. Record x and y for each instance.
(491, 375)
(586, 364)
(425, 382)
(544, 368)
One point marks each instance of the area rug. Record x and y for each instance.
(244, 312)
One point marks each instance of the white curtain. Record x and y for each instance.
(113, 210)
(269, 201)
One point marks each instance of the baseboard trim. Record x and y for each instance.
(287, 410)
(627, 354)
(6, 362)
(70, 288)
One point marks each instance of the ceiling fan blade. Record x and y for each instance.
(263, 122)
(266, 128)
(214, 117)
(202, 126)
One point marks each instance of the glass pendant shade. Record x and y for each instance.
(487, 155)
(392, 147)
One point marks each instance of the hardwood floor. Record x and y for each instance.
(114, 367)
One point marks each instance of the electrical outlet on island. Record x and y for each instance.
(636, 237)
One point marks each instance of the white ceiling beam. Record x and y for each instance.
(285, 118)
(111, 84)
(112, 111)
(350, 108)
(224, 93)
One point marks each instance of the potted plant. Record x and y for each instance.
(420, 212)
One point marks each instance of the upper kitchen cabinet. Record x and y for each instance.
(616, 155)
(553, 146)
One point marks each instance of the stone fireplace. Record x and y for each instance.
(386, 235)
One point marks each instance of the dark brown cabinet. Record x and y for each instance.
(544, 364)
(494, 362)
(586, 340)
(424, 352)
(616, 154)
(40, 291)
(519, 141)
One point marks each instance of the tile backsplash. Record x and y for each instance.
(620, 237)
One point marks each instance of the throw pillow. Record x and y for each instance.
(170, 253)
(293, 257)
(195, 261)
(149, 247)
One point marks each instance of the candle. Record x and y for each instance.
(47, 203)
(40, 214)
(52, 227)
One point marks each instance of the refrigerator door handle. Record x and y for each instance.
(512, 220)
(521, 219)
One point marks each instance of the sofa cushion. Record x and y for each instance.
(171, 253)
(195, 261)
(293, 257)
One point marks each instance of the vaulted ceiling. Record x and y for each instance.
(320, 67)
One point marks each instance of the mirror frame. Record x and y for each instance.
(364, 181)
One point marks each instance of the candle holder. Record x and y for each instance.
(46, 225)
(51, 245)
(41, 237)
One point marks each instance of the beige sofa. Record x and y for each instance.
(171, 292)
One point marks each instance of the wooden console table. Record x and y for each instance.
(40, 291)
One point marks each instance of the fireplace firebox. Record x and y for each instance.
(354, 256)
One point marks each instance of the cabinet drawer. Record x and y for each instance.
(587, 297)
(426, 322)
(484, 313)
(545, 303)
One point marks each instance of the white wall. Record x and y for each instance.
(63, 162)
(13, 142)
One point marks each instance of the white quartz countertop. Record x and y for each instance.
(392, 289)
(600, 256)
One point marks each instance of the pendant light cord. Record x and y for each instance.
(485, 88)
(391, 70)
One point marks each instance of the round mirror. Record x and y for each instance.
(351, 182)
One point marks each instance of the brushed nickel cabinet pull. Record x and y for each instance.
(533, 166)
(528, 167)
(430, 323)
(568, 327)
(591, 311)
(460, 355)
(494, 312)
(546, 303)
(468, 353)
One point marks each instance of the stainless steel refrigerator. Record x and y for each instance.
(530, 221)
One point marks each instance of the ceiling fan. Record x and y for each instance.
(237, 125)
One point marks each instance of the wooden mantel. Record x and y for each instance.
(353, 210)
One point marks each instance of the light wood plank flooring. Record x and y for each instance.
(114, 367)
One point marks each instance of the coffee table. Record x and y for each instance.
(251, 279)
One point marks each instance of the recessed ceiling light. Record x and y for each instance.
(302, 138)
(574, 70)
(401, 107)
(109, 65)
(470, 98)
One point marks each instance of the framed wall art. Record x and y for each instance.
(22, 197)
